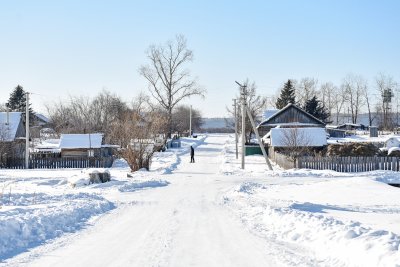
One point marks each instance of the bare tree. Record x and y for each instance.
(306, 89)
(354, 88)
(181, 120)
(136, 134)
(3, 107)
(339, 99)
(367, 97)
(169, 81)
(255, 103)
(328, 98)
(296, 142)
(83, 114)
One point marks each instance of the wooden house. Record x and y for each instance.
(84, 145)
(12, 134)
(290, 116)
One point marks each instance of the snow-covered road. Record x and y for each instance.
(210, 213)
(183, 224)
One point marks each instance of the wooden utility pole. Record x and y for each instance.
(243, 100)
(259, 139)
(27, 130)
(236, 128)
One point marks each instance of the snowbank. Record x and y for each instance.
(25, 225)
(313, 224)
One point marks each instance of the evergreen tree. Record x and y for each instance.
(287, 95)
(17, 102)
(316, 108)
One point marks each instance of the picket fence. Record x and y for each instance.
(349, 164)
(56, 163)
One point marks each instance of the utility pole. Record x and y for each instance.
(259, 139)
(236, 129)
(190, 121)
(243, 99)
(27, 131)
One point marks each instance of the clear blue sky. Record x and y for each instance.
(61, 48)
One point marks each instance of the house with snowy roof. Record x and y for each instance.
(84, 145)
(12, 134)
(292, 122)
(289, 117)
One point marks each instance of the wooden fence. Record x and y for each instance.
(56, 163)
(282, 160)
(339, 164)
(349, 164)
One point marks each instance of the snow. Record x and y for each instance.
(48, 145)
(392, 149)
(93, 140)
(8, 131)
(210, 213)
(304, 136)
(269, 113)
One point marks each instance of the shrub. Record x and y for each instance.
(352, 149)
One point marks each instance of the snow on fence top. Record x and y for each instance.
(93, 140)
(8, 130)
(287, 137)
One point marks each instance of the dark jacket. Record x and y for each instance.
(191, 151)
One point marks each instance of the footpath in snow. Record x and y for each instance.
(210, 213)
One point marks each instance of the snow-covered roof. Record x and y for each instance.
(287, 108)
(93, 140)
(8, 131)
(392, 137)
(393, 149)
(42, 117)
(269, 113)
(285, 137)
(294, 124)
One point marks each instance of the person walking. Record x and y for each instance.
(191, 154)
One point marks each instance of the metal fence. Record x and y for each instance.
(56, 163)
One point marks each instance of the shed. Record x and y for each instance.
(81, 145)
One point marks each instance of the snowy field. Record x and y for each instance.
(210, 213)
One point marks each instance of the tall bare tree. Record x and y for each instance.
(181, 119)
(354, 88)
(368, 102)
(339, 99)
(327, 95)
(305, 90)
(169, 80)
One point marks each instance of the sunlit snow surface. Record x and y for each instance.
(210, 213)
